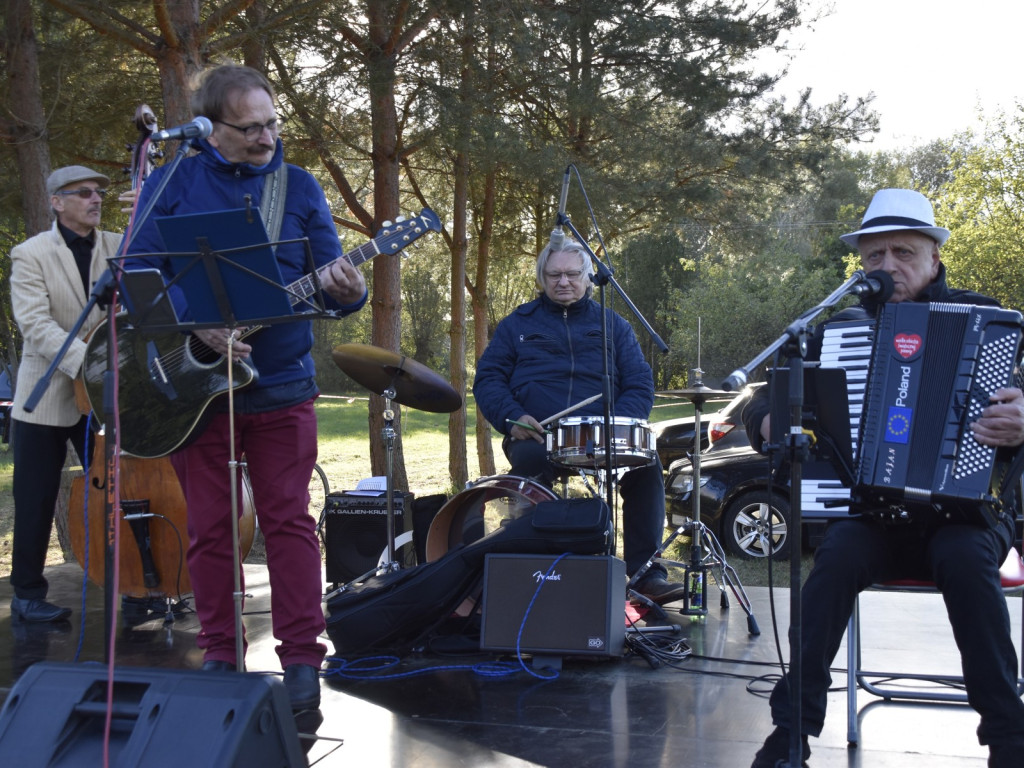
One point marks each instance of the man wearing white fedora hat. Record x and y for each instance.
(898, 236)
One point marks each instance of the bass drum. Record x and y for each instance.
(479, 509)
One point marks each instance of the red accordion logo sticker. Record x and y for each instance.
(907, 344)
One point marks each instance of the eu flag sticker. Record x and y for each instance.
(897, 426)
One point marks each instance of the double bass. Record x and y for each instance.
(151, 510)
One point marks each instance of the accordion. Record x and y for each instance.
(916, 377)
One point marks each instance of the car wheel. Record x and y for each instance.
(745, 526)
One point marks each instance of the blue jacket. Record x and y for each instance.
(544, 358)
(206, 182)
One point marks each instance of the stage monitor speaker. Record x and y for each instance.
(55, 716)
(579, 610)
(356, 532)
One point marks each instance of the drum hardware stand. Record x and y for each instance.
(388, 433)
(398, 379)
(706, 553)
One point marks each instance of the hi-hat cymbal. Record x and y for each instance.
(700, 392)
(415, 385)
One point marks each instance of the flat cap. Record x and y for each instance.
(71, 174)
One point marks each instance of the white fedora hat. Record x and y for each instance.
(898, 209)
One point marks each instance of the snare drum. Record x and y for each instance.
(470, 514)
(579, 442)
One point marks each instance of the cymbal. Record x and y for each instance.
(701, 393)
(415, 385)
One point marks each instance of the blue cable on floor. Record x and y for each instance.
(372, 667)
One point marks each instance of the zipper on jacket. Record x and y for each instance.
(572, 354)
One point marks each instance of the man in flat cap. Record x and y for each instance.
(52, 275)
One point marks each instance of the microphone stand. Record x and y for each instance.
(104, 294)
(793, 342)
(601, 278)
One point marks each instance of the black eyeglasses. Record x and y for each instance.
(83, 192)
(254, 131)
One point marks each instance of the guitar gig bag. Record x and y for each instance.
(392, 611)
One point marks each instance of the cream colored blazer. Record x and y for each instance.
(47, 298)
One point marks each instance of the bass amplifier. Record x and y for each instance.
(356, 532)
(576, 608)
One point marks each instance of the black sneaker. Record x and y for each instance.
(303, 684)
(660, 590)
(776, 749)
(37, 610)
(1005, 755)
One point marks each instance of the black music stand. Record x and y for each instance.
(231, 279)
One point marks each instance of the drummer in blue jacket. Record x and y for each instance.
(546, 357)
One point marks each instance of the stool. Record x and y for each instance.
(1012, 580)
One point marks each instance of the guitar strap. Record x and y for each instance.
(275, 192)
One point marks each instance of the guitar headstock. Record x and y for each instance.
(394, 236)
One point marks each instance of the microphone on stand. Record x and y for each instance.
(877, 286)
(199, 128)
(558, 234)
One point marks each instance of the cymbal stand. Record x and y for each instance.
(388, 433)
(695, 571)
(695, 602)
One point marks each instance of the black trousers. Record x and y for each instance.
(39, 453)
(642, 491)
(963, 561)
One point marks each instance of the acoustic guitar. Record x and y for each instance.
(167, 381)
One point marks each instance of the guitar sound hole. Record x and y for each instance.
(201, 353)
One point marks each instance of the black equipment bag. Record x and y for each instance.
(393, 610)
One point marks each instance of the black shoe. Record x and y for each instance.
(660, 590)
(303, 684)
(1005, 755)
(215, 665)
(35, 609)
(776, 749)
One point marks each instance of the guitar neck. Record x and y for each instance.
(391, 239)
(306, 286)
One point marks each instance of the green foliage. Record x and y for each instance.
(983, 207)
(741, 306)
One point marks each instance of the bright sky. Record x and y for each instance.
(930, 63)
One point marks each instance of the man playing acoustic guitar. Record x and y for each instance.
(275, 424)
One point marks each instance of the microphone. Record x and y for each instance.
(199, 128)
(558, 234)
(877, 286)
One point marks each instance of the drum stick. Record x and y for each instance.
(570, 409)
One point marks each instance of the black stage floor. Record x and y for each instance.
(447, 711)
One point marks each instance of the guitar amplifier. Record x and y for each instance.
(356, 532)
(579, 609)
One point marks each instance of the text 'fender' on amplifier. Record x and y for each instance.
(579, 608)
(356, 532)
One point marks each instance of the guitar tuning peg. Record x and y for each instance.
(400, 219)
(386, 224)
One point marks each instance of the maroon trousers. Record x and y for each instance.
(280, 449)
